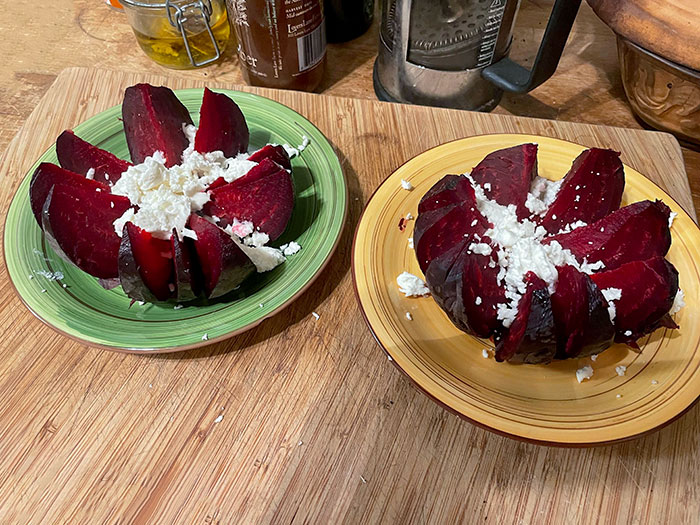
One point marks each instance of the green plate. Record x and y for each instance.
(83, 310)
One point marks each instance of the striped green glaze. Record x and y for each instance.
(87, 312)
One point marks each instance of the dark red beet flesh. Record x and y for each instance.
(146, 267)
(531, 337)
(592, 189)
(275, 153)
(46, 176)
(648, 289)
(78, 155)
(581, 319)
(79, 219)
(187, 272)
(451, 189)
(509, 172)
(222, 126)
(633, 233)
(267, 202)
(153, 119)
(265, 168)
(224, 265)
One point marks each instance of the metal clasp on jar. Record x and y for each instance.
(177, 16)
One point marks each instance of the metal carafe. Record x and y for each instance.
(454, 53)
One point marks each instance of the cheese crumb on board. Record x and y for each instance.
(411, 285)
(583, 373)
(219, 419)
(316, 316)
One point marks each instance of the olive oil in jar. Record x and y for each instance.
(164, 43)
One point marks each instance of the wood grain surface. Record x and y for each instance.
(300, 420)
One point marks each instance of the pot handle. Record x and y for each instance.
(513, 77)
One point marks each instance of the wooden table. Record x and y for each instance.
(487, 479)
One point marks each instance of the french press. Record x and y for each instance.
(454, 53)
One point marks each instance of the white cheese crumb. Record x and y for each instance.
(411, 285)
(31, 276)
(50, 276)
(219, 419)
(141, 303)
(406, 185)
(628, 333)
(621, 369)
(389, 357)
(178, 307)
(474, 222)
(410, 243)
(485, 353)
(409, 316)
(487, 186)
(261, 305)
(90, 174)
(363, 479)
(671, 218)
(43, 290)
(300, 443)
(316, 316)
(409, 217)
(618, 396)
(612, 294)
(678, 302)
(205, 337)
(290, 249)
(111, 204)
(583, 373)
(257, 239)
(64, 285)
(477, 301)
(481, 248)
(542, 194)
(594, 357)
(654, 382)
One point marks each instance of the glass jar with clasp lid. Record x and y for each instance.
(179, 34)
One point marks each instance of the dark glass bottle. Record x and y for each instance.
(347, 19)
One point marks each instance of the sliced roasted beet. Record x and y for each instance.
(187, 272)
(153, 121)
(146, 268)
(506, 176)
(46, 176)
(581, 319)
(79, 218)
(222, 126)
(79, 156)
(275, 153)
(647, 289)
(591, 189)
(265, 168)
(224, 265)
(444, 291)
(267, 202)
(531, 337)
(451, 189)
(436, 231)
(633, 233)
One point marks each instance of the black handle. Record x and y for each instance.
(513, 77)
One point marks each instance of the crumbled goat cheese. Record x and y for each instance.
(90, 174)
(485, 353)
(290, 248)
(43, 290)
(571, 227)
(410, 243)
(409, 217)
(477, 301)
(167, 196)
(654, 382)
(219, 419)
(242, 228)
(411, 285)
(205, 337)
(671, 218)
(612, 294)
(406, 185)
(178, 307)
(257, 239)
(628, 333)
(678, 302)
(621, 369)
(487, 186)
(51, 276)
(292, 151)
(480, 248)
(265, 258)
(409, 316)
(618, 396)
(594, 357)
(316, 316)
(583, 373)
(542, 194)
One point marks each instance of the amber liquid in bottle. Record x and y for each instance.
(281, 43)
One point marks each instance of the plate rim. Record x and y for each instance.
(444, 405)
(227, 335)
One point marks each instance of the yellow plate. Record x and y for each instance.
(540, 403)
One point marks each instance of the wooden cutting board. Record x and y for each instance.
(300, 420)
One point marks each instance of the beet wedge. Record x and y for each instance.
(275, 153)
(146, 267)
(581, 319)
(436, 231)
(224, 265)
(451, 189)
(591, 189)
(267, 202)
(531, 337)
(153, 121)
(186, 268)
(79, 156)
(46, 176)
(78, 220)
(647, 290)
(222, 126)
(507, 174)
(633, 233)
